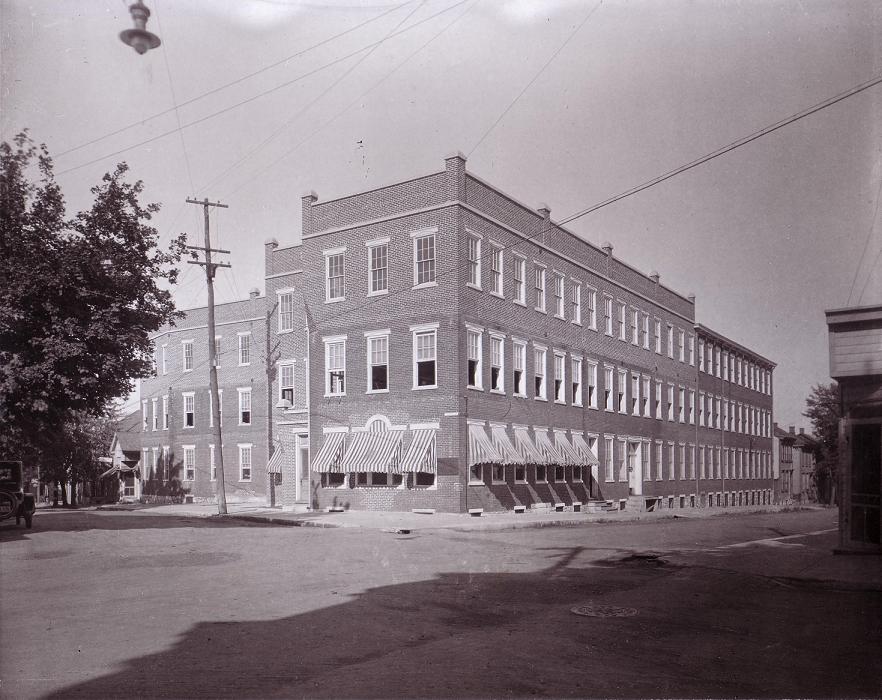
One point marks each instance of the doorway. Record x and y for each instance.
(302, 487)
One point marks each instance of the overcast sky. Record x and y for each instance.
(767, 236)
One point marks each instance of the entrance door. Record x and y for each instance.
(635, 469)
(302, 466)
(866, 482)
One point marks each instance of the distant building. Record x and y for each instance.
(795, 456)
(437, 344)
(125, 456)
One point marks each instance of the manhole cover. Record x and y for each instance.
(592, 610)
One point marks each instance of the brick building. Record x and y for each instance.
(437, 344)
(178, 456)
(795, 456)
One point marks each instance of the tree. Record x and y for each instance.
(78, 297)
(824, 409)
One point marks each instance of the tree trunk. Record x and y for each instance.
(73, 493)
(63, 494)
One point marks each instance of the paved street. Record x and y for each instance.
(109, 604)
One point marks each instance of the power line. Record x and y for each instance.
(213, 91)
(730, 147)
(263, 93)
(872, 267)
(866, 243)
(535, 77)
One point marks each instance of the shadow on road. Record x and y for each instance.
(651, 630)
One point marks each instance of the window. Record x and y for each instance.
(539, 373)
(577, 473)
(672, 474)
(212, 465)
(608, 388)
(189, 462)
(244, 406)
(624, 458)
(725, 408)
(539, 287)
(560, 378)
(608, 315)
(701, 408)
(424, 355)
(659, 468)
(576, 380)
(154, 406)
(682, 461)
(658, 399)
(475, 378)
(496, 268)
(681, 405)
(670, 341)
(576, 304)
(165, 462)
(286, 383)
(189, 409)
(335, 286)
(608, 458)
(644, 459)
(635, 326)
(378, 362)
(658, 337)
(671, 402)
(592, 309)
(690, 408)
(644, 398)
(635, 394)
(286, 312)
(217, 351)
(244, 462)
(378, 266)
(497, 474)
(165, 412)
(645, 331)
(591, 384)
(335, 367)
(424, 259)
(520, 276)
(476, 474)
(701, 354)
(541, 474)
(701, 469)
(164, 358)
(187, 347)
(474, 255)
(717, 361)
(519, 360)
(690, 349)
(622, 391)
(558, 295)
(681, 345)
(244, 348)
(497, 364)
(621, 321)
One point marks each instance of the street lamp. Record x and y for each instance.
(139, 38)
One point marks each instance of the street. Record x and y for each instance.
(100, 604)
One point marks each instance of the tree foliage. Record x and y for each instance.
(78, 296)
(823, 408)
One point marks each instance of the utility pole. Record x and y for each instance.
(210, 268)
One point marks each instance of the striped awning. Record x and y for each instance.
(328, 458)
(526, 447)
(481, 449)
(563, 445)
(420, 456)
(544, 444)
(502, 443)
(584, 450)
(284, 455)
(374, 452)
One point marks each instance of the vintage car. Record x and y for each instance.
(13, 500)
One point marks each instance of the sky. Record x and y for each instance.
(564, 102)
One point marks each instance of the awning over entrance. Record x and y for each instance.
(119, 469)
(563, 445)
(328, 459)
(584, 450)
(374, 452)
(284, 456)
(544, 444)
(420, 455)
(481, 449)
(502, 443)
(526, 447)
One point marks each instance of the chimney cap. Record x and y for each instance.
(455, 154)
(608, 247)
(691, 297)
(542, 206)
(271, 242)
(309, 195)
(792, 429)
(654, 276)
(802, 431)
(254, 292)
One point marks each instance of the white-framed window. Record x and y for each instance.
(635, 326)
(635, 394)
(690, 349)
(623, 330)
(558, 295)
(645, 332)
(474, 257)
(622, 391)
(671, 465)
(560, 379)
(690, 407)
(608, 458)
(717, 371)
(591, 383)
(725, 361)
(539, 355)
(646, 459)
(496, 269)
(657, 458)
(189, 398)
(286, 382)
(154, 407)
(671, 341)
(681, 345)
(658, 336)
(335, 366)
(702, 473)
(520, 280)
(244, 461)
(701, 409)
(475, 368)
(424, 259)
(671, 402)
(217, 350)
(145, 463)
(608, 315)
(682, 460)
(701, 354)
(624, 446)
(576, 380)
(335, 280)
(244, 406)
(681, 405)
(286, 311)
(378, 267)
(658, 399)
(591, 306)
(539, 287)
(519, 368)
(189, 462)
(425, 373)
(165, 412)
(166, 462)
(725, 411)
(165, 358)
(608, 388)
(212, 464)
(187, 350)
(244, 348)
(644, 397)
(378, 361)
(497, 363)
(576, 303)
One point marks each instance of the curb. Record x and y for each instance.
(278, 521)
